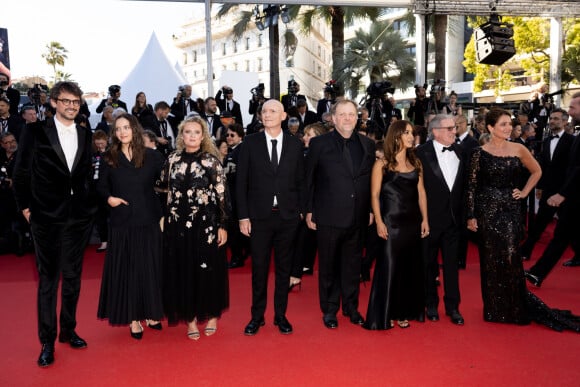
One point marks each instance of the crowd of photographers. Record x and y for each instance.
(224, 117)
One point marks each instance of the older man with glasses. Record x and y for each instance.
(444, 166)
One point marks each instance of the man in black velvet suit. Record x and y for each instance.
(338, 170)
(444, 166)
(270, 195)
(553, 159)
(567, 201)
(52, 185)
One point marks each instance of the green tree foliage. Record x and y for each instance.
(380, 53)
(54, 56)
(532, 42)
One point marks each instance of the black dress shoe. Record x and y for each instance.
(533, 279)
(235, 263)
(254, 326)
(356, 318)
(421, 317)
(73, 339)
(46, 357)
(432, 313)
(456, 317)
(283, 324)
(572, 262)
(330, 321)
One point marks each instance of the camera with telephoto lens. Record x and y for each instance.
(227, 90)
(292, 87)
(34, 93)
(258, 91)
(331, 87)
(114, 89)
(379, 89)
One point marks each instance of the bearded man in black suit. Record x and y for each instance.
(270, 192)
(52, 185)
(338, 170)
(444, 166)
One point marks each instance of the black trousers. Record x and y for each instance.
(446, 241)
(59, 250)
(565, 233)
(339, 265)
(305, 251)
(266, 234)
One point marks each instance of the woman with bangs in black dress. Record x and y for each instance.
(131, 282)
(399, 205)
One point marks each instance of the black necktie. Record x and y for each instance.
(163, 127)
(4, 124)
(347, 156)
(274, 158)
(448, 148)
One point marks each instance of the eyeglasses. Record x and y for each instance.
(449, 128)
(67, 102)
(231, 135)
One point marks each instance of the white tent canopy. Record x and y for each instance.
(153, 74)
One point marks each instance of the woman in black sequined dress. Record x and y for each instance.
(495, 211)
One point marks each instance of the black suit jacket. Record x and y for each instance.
(444, 207)
(337, 197)
(116, 104)
(257, 182)
(309, 118)
(236, 109)
(42, 180)
(469, 143)
(554, 169)
(322, 107)
(215, 125)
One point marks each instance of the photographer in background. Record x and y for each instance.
(183, 105)
(257, 100)
(225, 101)
(291, 99)
(378, 104)
(12, 225)
(324, 104)
(162, 128)
(9, 122)
(419, 107)
(11, 93)
(112, 99)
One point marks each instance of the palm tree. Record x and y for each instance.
(380, 53)
(55, 56)
(338, 18)
(243, 24)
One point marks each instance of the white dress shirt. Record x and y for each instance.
(278, 149)
(448, 162)
(68, 138)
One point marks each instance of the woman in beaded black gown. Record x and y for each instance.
(494, 210)
(400, 208)
(195, 272)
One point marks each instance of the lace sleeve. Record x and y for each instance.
(217, 178)
(472, 183)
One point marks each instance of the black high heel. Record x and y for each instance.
(137, 335)
(157, 326)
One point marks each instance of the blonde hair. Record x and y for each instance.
(207, 144)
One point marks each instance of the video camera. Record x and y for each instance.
(379, 89)
(438, 86)
(258, 91)
(331, 87)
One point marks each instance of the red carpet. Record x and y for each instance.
(435, 354)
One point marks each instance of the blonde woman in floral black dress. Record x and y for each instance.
(195, 271)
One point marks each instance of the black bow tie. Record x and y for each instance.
(448, 148)
(554, 136)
